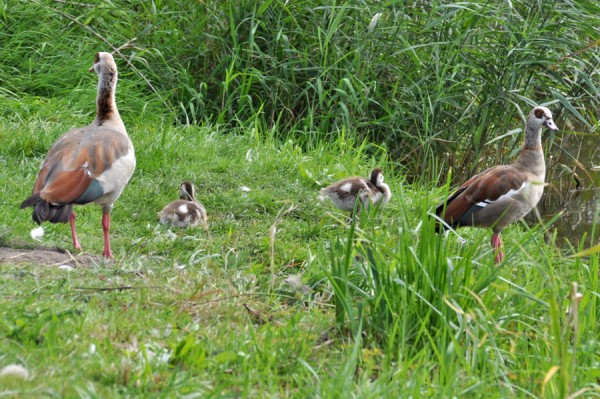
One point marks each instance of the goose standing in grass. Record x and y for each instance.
(502, 194)
(345, 192)
(185, 212)
(89, 164)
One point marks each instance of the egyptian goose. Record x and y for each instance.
(88, 164)
(185, 212)
(345, 192)
(502, 194)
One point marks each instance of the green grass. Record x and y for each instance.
(434, 82)
(284, 99)
(420, 314)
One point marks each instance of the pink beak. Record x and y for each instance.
(549, 123)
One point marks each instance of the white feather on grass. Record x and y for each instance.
(37, 233)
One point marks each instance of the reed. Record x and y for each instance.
(436, 83)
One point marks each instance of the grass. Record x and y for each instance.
(260, 104)
(419, 315)
(432, 82)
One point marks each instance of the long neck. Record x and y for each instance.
(531, 157)
(533, 137)
(106, 106)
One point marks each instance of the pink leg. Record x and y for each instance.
(73, 232)
(497, 244)
(106, 229)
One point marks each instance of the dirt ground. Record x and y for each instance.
(45, 257)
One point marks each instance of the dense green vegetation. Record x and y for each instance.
(283, 98)
(429, 80)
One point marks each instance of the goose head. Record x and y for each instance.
(103, 63)
(541, 117)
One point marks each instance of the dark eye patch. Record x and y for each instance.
(539, 113)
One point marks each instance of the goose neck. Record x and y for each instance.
(532, 162)
(533, 137)
(106, 106)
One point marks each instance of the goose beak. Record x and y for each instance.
(549, 123)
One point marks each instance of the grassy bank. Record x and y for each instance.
(385, 307)
(261, 105)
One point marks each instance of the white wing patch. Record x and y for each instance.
(86, 166)
(346, 187)
(514, 193)
(508, 194)
(183, 208)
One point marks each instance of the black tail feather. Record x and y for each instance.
(60, 214)
(31, 201)
(40, 212)
(45, 211)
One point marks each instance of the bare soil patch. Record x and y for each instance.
(44, 256)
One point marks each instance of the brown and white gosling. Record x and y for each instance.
(186, 211)
(344, 193)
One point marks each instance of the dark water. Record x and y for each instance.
(573, 187)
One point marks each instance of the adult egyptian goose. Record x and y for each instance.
(185, 212)
(502, 194)
(88, 164)
(345, 192)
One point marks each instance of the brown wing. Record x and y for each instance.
(64, 186)
(75, 161)
(487, 186)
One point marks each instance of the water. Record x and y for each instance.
(573, 187)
